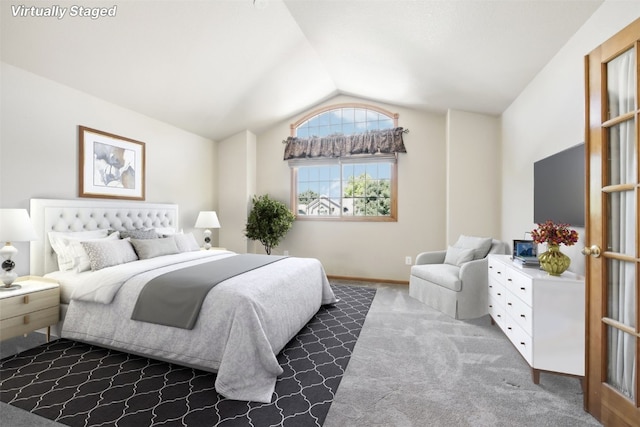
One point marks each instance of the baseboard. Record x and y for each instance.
(369, 279)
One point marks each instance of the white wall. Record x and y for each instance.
(548, 117)
(376, 250)
(39, 149)
(237, 185)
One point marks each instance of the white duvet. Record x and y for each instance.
(244, 323)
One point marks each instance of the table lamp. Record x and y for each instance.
(15, 226)
(207, 220)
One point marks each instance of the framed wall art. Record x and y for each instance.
(111, 166)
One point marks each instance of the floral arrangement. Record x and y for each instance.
(554, 234)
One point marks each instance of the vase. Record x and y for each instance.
(553, 261)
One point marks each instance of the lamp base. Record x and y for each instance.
(207, 239)
(10, 288)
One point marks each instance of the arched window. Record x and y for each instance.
(345, 119)
(343, 162)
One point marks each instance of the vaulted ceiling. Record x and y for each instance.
(216, 67)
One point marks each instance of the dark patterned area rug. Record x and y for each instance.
(82, 385)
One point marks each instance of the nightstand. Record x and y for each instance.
(36, 305)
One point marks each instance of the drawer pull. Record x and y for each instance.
(490, 306)
(509, 303)
(499, 294)
(509, 280)
(25, 299)
(499, 272)
(522, 343)
(523, 316)
(522, 289)
(26, 319)
(509, 327)
(490, 286)
(499, 315)
(490, 267)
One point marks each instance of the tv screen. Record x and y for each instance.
(559, 187)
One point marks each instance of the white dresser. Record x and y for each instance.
(543, 316)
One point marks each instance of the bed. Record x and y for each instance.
(244, 322)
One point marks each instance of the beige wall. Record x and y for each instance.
(39, 149)
(548, 117)
(378, 250)
(237, 185)
(473, 175)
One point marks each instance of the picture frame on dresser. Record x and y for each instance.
(110, 166)
(524, 248)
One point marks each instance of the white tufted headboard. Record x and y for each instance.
(77, 215)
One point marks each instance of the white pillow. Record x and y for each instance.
(186, 242)
(480, 245)
(106, 253)
(61, 242)
(458, 256)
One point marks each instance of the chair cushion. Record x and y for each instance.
(445, 275)
(458, 256)
(480, 245)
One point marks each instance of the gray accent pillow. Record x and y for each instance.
(186, 242)
(107, 253)
(458, 256)
(139, 234)
(480, 245)
(151, 248)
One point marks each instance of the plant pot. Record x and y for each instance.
(553, 261)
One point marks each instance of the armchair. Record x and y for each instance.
(455, 281)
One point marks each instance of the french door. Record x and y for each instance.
(613, 201)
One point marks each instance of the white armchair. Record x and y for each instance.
(455, 281)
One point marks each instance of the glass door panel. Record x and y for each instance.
(621, 373)
(621, 235)
(622, 153)
(621, 84)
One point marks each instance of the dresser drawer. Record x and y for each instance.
(521, 313)
(26, 323)
(497, 313)
(520, 286)
(497, 292)
(27, 303)
(496, 271)
(520, 339)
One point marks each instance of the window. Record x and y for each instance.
(343, 163)
(344, 121)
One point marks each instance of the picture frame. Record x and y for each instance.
(524, 249)
(110, 166)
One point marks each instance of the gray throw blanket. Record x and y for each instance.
(175, 298)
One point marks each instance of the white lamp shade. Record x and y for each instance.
(207, 219)
(16, 226)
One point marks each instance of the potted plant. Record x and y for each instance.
(268, 222)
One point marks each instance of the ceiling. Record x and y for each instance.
(217, 67)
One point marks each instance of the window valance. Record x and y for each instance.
(384, 141)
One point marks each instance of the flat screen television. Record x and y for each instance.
(559, 187)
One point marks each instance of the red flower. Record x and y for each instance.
(554, 234)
